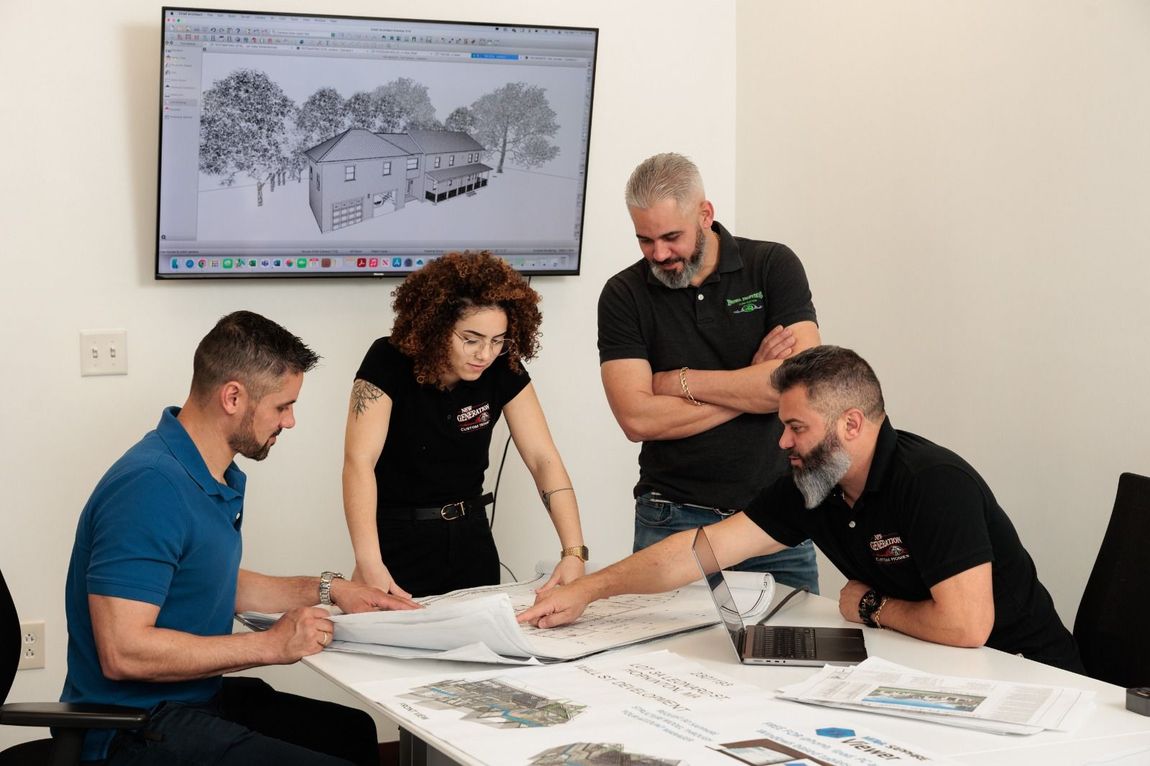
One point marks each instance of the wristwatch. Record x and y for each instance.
(578, 551)
(325, 586)
(869, 606)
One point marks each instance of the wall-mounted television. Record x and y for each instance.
(336, 146)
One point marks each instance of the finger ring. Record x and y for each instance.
(326, 638)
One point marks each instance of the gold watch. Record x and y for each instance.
(578, 551)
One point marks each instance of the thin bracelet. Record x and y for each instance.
(874, 615)
(687, 391)
(546, 496)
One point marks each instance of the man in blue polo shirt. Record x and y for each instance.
(155, 578)
(924, 544)
(688, 337)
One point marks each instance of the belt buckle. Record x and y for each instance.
(456, 510)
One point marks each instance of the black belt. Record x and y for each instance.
(449, 512)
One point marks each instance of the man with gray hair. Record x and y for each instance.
(925, 546)
(688, 338)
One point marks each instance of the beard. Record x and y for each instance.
(822, 469)
(244, 441)
(691, 266)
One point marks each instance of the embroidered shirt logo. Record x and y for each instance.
(746, 304)
(887, 549)
(473, 418)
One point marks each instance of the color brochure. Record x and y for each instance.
(879, 686)
(651, 709)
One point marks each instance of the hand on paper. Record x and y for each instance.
(352, 596)
(380, 577)
(301, 632)
(559, 606)
(778, 345)
(569, 569)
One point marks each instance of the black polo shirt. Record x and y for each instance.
(437, 443)
(716, 326)
(925, 515)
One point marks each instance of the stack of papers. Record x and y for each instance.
(878, 686)
(478, 625)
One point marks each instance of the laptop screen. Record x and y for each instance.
(720, 591)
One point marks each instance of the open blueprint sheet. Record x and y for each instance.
(478, 625)
(655, 709)
(878, 686)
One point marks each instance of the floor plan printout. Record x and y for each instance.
(652, 709)
(478, 625)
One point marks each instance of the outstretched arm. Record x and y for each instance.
(661, 567)
(368, 415)
(533, 440)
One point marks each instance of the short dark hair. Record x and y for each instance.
(430, 301)
(836, 380)
(252, 349)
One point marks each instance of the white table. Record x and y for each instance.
(1111, 730)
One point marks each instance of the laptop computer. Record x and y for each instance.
(774, 644)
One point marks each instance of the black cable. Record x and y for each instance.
(770, 614)
(495, 492)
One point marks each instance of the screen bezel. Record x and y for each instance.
(158, 275)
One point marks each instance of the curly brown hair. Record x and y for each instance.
(430, 301)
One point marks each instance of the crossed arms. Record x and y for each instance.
(652, 406)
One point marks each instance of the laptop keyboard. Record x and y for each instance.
(783, 642)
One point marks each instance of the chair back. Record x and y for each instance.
(9, 639)
(1112, 626)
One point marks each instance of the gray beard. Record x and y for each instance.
(827, 465)
(691, 266)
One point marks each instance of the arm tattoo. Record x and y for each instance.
(362, 394)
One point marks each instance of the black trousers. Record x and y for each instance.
(430, 557)
(249, 722)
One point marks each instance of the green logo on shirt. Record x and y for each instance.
(746, 304)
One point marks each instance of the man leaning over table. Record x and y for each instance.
(154, 580)
(925, 546)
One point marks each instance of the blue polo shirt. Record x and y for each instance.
(159, 529)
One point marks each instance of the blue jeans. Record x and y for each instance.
(657, 518)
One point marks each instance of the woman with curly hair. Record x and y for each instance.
(423, 406)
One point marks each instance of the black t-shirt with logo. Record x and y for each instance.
(925, 515)
(715, 326)
(436, 450)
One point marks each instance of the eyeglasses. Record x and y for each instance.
(473, 346)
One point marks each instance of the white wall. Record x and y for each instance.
(78, 123)
(967, 184)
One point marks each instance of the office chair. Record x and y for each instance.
(1112, 626)
(68, 722)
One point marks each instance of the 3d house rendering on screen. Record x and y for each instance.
(357, 174)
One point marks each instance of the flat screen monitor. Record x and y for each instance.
(335, 146)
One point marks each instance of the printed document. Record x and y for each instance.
(879, 686)
(478, 625)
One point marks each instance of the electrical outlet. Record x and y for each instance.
(31, 645)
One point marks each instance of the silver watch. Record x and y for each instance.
(325, 586)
